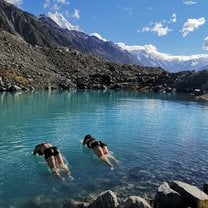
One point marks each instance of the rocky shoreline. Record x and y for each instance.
(173, 194)
(24, 68)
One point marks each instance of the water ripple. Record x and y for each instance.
(155, 138)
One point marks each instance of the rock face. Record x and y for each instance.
(191, 195)
(167, 197)
(107, 199)
(177, 194)
(31, 67)
(134, 202)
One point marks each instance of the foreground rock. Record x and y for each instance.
(167, 197)
(108, 199)
(191, 195)
(134, 202)
(174, 194)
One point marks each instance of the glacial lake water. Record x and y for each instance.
(155, 137)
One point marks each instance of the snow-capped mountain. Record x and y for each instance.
(45, 32)
(61, 21)
(146, 55)
(149, 56)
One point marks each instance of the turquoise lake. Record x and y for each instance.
(155, 137)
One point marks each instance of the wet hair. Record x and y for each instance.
(86, 138)
(37, 151)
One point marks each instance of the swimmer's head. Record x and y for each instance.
(37, 150)
(87, 138)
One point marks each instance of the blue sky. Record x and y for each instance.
(176, 27)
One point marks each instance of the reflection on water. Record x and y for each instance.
(155, 138)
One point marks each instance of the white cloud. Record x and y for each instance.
(130, 9)
(15, 2)
(54, 4)
(174, 18)
(188, 2)
(148, 55)
(157, 28)
(76, 14)
(191, 24)
(61, 1)
(152, 51)
(46, 4)
(149, 47)
(98, 36)
(205, 44)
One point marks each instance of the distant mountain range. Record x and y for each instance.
(36, 53)
(149, 56)
(54, 31)
(43, 31)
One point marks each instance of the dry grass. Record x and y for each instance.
(8, 74)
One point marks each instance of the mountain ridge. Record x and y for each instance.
(37, 31)
(149, 56)
(26, 66)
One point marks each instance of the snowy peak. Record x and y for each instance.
(62, 22)
(149, 56)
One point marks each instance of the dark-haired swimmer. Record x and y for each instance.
(99, 148)
(53, 157)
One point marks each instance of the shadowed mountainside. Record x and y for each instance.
(27, 67)
(45, 32)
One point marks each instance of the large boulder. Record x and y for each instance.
(167, 197)
(134, 202)
(191, 195)
(106, 199)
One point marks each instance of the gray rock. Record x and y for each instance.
(167, 197)
(134, 202)
(14, 88)
(106, 199)
(191, 195)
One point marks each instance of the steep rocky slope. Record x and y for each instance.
(39, 67)
(46, 33)
(27, 67)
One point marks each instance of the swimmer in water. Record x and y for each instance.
(99, 148)
(53, 157)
